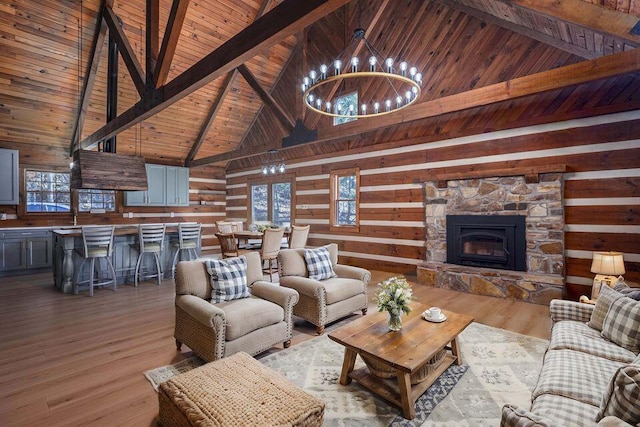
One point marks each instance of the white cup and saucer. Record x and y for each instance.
(434, 314)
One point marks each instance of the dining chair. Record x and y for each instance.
(271, 239)
(298, 236)
(229, 245)
(224, 227)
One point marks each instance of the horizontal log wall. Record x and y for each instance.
(602, 199)
(206, 202)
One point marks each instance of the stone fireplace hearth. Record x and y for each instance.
(541, 205)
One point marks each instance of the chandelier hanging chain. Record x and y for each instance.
(318, 98)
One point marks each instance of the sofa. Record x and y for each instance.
(591, 369)
(331, 293)
(216, 321)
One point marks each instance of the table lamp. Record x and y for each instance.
(607, 266)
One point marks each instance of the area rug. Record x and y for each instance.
(499, 367)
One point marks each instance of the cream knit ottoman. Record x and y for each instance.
(236, 391)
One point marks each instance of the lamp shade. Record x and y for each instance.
(608, 263)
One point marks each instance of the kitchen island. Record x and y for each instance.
(67, 260)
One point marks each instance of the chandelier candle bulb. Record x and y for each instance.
(372, 63)
(338, 66)
(389, 63)
(376, 108)
(364, 109)
(328, 105)
(354, 64)
(403, 69)
(312, 75)
(323, 71)
(387, 105)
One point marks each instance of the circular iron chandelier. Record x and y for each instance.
(403, 84)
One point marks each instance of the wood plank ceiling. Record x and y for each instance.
(45, 48)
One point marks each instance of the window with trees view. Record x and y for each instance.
(96, 199)
(346, 105)
(47, 191)
(271, 203)
(345, 198)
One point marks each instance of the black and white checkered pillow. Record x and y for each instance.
(622, 395)
(319, 263)
(622, 324)
(228, 278)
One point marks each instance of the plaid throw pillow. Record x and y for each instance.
(622, 395)
(319, 263)
(626, 290)
(605, 299)
(228, 278)
(622, 324)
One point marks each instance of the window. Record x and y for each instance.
(96, 199)
(271, 203)
(346, 104)
(345, 197)
(48, 191)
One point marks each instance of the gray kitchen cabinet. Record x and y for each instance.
(177, 186)
(9, 177)
(168, 186)
(25, 249)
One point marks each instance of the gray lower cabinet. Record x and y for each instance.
(168, 186)
(9, 177)
(20, 250)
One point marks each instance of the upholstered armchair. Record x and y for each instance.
(323, 301)
(251, 324)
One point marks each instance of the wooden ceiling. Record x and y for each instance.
(462, 45)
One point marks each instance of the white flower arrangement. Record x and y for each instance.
(393, 296)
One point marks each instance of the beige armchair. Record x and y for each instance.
(252, 325)
(324, 301)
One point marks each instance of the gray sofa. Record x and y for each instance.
(586, 379)
(324, 301)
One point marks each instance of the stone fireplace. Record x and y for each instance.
(532, 200)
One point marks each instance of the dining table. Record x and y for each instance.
(243, 237)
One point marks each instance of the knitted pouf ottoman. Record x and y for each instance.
(236, 391)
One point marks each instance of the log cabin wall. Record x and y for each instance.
(206, 201)
(601, 154)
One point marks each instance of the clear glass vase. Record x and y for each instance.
(395, 322)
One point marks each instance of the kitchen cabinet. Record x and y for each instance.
(177, 186)
(156, 193)
(25, 249)
(9, 177)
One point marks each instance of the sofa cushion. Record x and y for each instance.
(248, 314)
(565, 411)
(339, 288)
(228, 278)
(575, 375)
(572, 335)
(622, 397)
(319, 263)
(622, 324)
(605, 299)
(621, 286)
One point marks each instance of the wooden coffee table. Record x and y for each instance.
(405, 352)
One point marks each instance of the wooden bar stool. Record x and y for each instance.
(189, 240)
(150, 241)
(97, 243)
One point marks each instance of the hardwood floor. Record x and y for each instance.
(75, 360)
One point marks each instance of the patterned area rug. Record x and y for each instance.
(499, 367)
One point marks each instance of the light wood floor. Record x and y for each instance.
(75, 360)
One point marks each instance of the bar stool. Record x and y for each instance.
(150, 241)
(97, 242)
(189, 239)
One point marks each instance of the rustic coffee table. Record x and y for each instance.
(405, 354)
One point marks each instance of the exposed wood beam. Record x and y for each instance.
(535, 35)
(226, 87)
(90, 78)
(286, 121)
(287, 18)
(569, 75)
(586, 15)
(315, 118)
(170, 41)
(127, 53)
(211, 115)
(152, 46)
